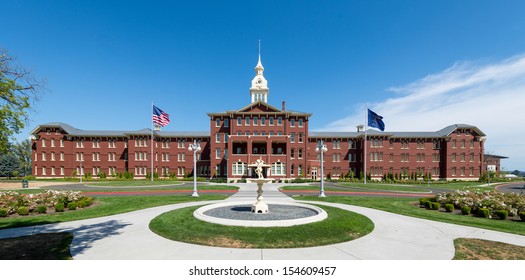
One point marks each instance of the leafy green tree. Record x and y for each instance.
(22, 152)
(18, 90)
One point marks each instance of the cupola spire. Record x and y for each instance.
(259, 89)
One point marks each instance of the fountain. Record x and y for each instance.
(260, 206)
(248, 213)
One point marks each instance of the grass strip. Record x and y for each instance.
(47, 246)
(409, 207)
(477, 249)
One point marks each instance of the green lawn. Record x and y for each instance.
(133, 183)
(405, 206)
(340, 226)
(419, 187)
(104, 206)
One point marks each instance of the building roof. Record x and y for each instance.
(494, 156)
(118, 133)
(399, 134)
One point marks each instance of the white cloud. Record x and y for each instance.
(491, 97)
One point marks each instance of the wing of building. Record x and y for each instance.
(238, 137)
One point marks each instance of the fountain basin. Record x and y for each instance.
(239, 213)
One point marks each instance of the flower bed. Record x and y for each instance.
(12, 201)
(494, 201)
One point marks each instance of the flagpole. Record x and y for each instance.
(366, 128)
(151, 174)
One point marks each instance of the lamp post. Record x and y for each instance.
(195, 147)
(80, 171)
(321, 148)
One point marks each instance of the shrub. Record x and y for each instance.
(423, 200)
(59, 207)
(435, 205)
(427, 204)
(41, 209)
(502, 214)
(484, 212)
(522, 215)
(4, 212)
(23, 211)
(449, 207)
(72, 206)
(81, 204)
(465, 210)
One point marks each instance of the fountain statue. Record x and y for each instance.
(260, 206)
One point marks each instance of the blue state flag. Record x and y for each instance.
(375, 120)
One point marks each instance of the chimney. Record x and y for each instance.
(360, 128)
(284, 106)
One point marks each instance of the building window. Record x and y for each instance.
(278, 168)
(52, 142)
(463, 144)
(292, 170)
(292, 153)
(226, 136)
(43, 143)
(453, 171)
(300, 122)
(351, 144)
(292, 122)
(453, 144)
(300, 153)
(217, 138)
(239, 168)
(217, 153)
(217, 122)
(300, 138)
(453, 157)
(239, 121)
(247, 121)
(263, 121)
(279, 121)
(336, 144)
(292, 137)
(271, 120)
(463, 157)
(436, 144)
(300, 170)
(255, 121)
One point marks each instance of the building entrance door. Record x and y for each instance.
(314, 172)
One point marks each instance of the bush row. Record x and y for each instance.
(14, 202)
(433, 203)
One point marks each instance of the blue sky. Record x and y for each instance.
(422, 65)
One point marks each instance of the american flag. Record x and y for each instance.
(159, 117)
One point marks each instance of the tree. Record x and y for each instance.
(8, 165)
(18, 90)
(22, 152)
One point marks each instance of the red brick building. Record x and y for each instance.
(279, 136)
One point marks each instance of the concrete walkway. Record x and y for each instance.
(395, 237)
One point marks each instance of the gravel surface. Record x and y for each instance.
(275, 212)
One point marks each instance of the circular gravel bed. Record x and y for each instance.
(280, 214)
(277, 212)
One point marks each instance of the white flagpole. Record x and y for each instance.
(151, 116)
(366, 128)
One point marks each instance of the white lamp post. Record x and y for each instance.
(321, 148)
(195, 147)
(80, 171)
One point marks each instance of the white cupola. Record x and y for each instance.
(259, 89)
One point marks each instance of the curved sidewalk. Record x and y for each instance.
(395, 237)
